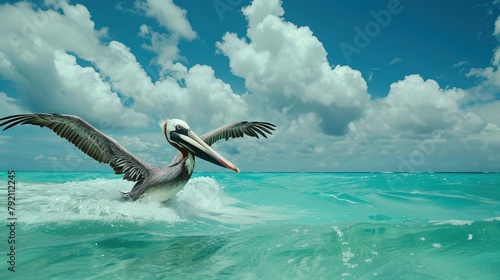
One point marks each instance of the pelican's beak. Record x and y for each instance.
(199, 148)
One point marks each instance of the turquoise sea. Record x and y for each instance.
(75, 225)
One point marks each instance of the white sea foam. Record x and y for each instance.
(100, 200)
(453, 222)
(204, 197)
(336, 196)
(437, 245)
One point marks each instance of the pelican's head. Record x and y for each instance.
(180, 135)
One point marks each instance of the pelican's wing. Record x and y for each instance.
(238, 129)
(88, 139)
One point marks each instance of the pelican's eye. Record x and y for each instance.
(178, 127)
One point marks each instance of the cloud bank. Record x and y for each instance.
(74, 70)
(327, 119)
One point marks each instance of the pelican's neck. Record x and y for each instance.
(185, 159)
(189, 163)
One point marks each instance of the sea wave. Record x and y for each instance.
(260, 226)
(277, 251)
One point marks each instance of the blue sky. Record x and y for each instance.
(352, 85)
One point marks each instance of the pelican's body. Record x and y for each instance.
(164, 182)
(152, 182)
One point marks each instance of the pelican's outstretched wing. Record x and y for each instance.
(238, 129)
(88, 139)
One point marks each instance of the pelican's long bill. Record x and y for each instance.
(199, 148)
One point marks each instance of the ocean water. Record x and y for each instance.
(255, 226)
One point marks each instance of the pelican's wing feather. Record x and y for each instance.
(88, 139)
(238, 129)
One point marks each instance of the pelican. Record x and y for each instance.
(152, 183)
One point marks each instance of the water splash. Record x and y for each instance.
(100, 200)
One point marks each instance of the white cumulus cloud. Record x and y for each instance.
(287, 65)
(168, 15)
(9, 105)
(43, 65)
(61, 63)
(490, 74)
(416, 108)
